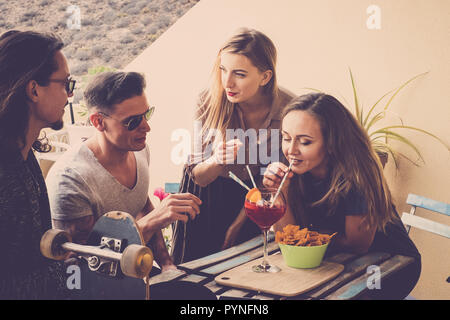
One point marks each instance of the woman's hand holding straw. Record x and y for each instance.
(281, 184)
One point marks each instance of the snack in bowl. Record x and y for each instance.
(302, 248)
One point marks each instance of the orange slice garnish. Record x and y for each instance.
(254, 195)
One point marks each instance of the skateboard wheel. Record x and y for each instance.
(137, 261)
(51, 243)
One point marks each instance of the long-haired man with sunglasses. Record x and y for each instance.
(109, 171)
(35, 85)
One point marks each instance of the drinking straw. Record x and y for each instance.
(232, 176)
(281, 184)
(251, 176)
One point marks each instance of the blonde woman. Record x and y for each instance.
(337, 185)
(238, 115)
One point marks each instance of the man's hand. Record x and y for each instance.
(168, 267)
(174, 207)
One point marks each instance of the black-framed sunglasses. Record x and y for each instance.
(69, 84)
(133, 122)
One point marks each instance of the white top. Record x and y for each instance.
(79, 186)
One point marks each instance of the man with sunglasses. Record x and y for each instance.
(109, 171)
(35, 85)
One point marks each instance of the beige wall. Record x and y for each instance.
(317, 41)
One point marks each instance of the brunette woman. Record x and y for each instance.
(337, 185)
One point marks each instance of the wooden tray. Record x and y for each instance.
(288, 282)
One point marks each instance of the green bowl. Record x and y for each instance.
(303, 257)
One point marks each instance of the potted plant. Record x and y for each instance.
(381, 136)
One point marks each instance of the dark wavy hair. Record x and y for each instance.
(352, 162)
(24, 56)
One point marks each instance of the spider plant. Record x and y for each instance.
(381, 136)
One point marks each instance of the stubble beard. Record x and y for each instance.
(57, 125)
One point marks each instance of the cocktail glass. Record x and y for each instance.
(265, 213)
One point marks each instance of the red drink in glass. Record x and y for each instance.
(264, 216)
(265, 212)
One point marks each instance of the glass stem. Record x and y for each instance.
(265, 237)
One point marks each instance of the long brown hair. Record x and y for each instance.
(215, 108)
(352, 162)
(24, 56)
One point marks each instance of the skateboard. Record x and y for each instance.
(114, 261)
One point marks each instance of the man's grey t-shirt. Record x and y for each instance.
(79, 186)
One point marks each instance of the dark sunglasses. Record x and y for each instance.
(133, 122)
(68, 83)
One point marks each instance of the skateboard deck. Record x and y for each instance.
(116, 230)
(114, 262)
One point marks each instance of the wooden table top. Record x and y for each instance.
(351, 283)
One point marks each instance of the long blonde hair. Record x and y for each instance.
(352, 162)
(215, 109)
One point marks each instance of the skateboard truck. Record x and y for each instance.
(135, 261)
(102, 265)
